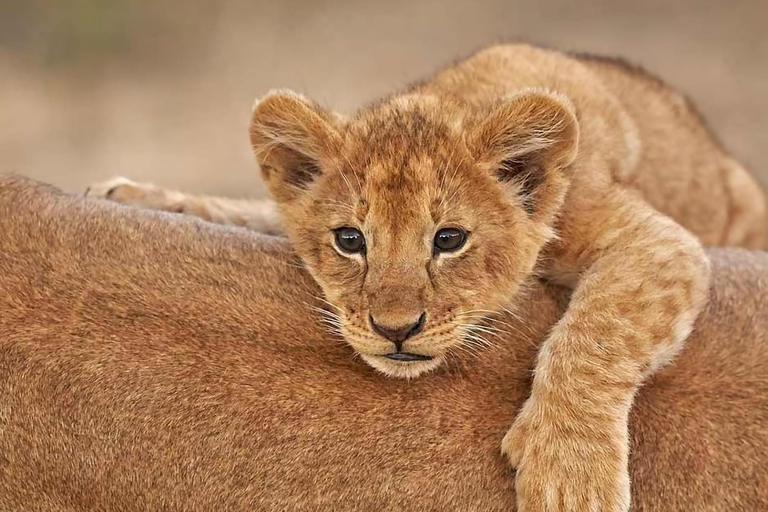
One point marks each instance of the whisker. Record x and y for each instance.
(349, 185)
(325, 301)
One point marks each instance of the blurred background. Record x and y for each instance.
(161, 90)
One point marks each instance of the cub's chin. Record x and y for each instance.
(402, 369)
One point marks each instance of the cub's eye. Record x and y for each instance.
(449, 239)
(349, 240)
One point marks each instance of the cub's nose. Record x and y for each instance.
(398, 335)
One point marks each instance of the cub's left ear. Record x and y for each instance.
(528, 141)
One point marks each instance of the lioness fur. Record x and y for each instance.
(153, 362)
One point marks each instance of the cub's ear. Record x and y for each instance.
(292, 138)
(528, 141)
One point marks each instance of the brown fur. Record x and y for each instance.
(575, 169)
(150, 362)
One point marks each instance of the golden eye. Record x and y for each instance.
(349, 240)
(449, 239)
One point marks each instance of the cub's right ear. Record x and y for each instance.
(292, 138)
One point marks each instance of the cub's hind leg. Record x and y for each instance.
(747, 224)
(258, 215)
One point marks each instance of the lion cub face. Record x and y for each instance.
(418, 217)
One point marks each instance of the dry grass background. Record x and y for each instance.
(161, 90)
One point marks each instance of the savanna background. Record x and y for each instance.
(161, 90)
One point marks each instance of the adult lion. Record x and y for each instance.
(156, 362)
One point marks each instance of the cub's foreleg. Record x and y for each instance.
(641, 280)
(258, 215)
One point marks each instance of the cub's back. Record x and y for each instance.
(658, 144)
(682, 169)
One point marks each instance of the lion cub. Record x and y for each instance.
(429, 211)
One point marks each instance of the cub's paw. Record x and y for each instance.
(107, 189)
(566, 465)
(122, 190)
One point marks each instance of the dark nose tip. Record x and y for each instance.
(398, 335)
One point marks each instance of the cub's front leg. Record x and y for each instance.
(258, 215)
(643, 281)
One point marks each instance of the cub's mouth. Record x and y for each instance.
(403, 365)
(407, 357)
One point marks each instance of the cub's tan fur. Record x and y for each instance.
(153, 362)
(571, 169)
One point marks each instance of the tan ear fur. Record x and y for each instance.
(528, 141)
(291, 138)
(532, 121)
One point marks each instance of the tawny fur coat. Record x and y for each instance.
(152, 362)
